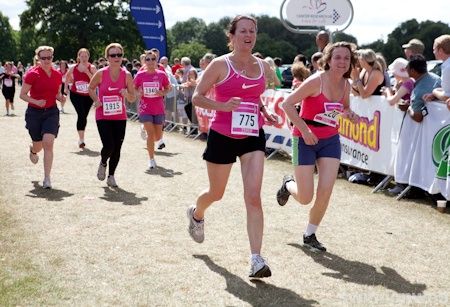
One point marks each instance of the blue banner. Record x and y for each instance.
(149, 18)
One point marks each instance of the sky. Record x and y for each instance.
(372, 20)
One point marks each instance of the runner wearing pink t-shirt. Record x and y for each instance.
(152, 85)
(114, 85)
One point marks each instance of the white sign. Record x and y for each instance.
(319, 13)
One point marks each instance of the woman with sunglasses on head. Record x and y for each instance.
(152, 85)
(79, 76)
(114, 85)
(238, 79)
(41, 89)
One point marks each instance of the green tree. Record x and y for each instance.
(191, 30)
(9, 48)
(195, 51)
(70, 25)
(216, 39)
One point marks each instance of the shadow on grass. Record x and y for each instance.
(118, 195)
(362, 273)
(49, 194)
(263, 294)
(163, 172)
(87, 152)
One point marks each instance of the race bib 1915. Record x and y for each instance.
(112, 105)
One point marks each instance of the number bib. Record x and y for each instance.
(245, 119)
(150, 89)
(7, 82)
(82, 87)
(330, 116)
(112, 105)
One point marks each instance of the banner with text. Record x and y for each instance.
(149, 18)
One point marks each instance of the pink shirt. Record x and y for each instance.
(113, 104)
(313, 105)
(150, 103)
(237, 85)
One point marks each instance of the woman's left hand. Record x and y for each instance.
(351, 115)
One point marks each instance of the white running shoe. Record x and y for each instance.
(259, 268)
(34, 158)
(101, 172)
(196, 229)
(111, 182)
(47, 184)
(143, 133)
(151, 164)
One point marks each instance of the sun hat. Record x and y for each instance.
(398, 67)
(415, 45)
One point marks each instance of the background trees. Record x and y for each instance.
(69, 25)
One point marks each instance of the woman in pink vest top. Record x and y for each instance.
(324, 96)
(115, 84)
(238, 80)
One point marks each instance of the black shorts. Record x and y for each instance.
(42, 121)
(9, 92)
(221, 149)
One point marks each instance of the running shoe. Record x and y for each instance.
(312, 244)
(34, 158)
(143, 133)
(196, 229)
(151, 164)
(81, 144)
(161, 144)
(101, 172)
(111, 182)
(283, 193)
(47, 184)
(259, 268)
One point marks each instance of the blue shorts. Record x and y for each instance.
(221, 149)
(157, 119)
(42, 121)
(303, 154)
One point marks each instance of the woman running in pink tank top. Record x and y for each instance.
(114, 85)
(238, 80)
(323, 97)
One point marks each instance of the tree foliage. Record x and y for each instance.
(70, 25)
(193, 50)
(9, 48)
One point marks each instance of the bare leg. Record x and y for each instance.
(47, 143)
(252, 169)
(218, 175)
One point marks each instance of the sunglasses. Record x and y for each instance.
(115, 55)
(150, 59)
(48, 58)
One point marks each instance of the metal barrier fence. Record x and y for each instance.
(177, 106)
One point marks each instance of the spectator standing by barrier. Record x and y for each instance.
(238, 79)
(115, 84)
(315, 141)
(152, 85)
(322, 40)
(79, 76)
(425, 82)
(403, 83)
(441, 50)
(370, 79)
(41, 89)
(413, 47)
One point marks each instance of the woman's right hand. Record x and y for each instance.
(232, 104)
(97, 104)
(309, 137)
(39, 102)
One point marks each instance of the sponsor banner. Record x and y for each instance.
(149, 18)
(422, 158)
